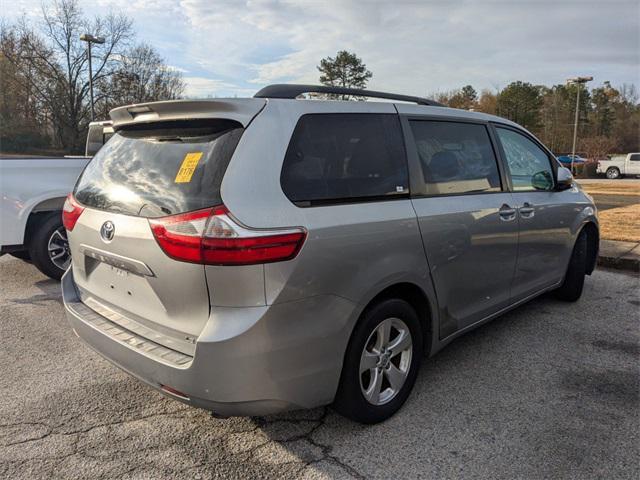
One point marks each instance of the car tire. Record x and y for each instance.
(613, 173)
(571, 288)
(395, 364)
(47, 235)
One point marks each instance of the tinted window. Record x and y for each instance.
(455, 157)
(528, 164)
(635, 157)
(338, 157)
(160, 171)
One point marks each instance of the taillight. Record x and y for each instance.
(212, 237)
(71, 212)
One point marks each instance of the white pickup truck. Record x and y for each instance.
(620, 165)
(32, 193)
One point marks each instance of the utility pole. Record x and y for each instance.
(579, 81)
(85, 37)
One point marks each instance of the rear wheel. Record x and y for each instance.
(381, 363)
(613, 173)
(49, 248)
(571, 288)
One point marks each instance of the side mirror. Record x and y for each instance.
(565, 179)
(542, 181)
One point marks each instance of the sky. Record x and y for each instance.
(233, 48)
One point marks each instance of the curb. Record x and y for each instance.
(620, 263)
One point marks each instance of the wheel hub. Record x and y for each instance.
(384, 359)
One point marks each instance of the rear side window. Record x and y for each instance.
(153, 171)
(635, 157)
(455, 158)
(344, 158)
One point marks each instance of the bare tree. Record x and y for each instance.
(63, 25)
(141, 76)
(27, 87)
(597, 148)
(487, 103)
(54, 66)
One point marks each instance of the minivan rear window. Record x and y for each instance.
(345, 157)
(153, 171)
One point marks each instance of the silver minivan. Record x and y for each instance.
(249, 256)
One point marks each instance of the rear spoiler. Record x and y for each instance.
(241, 110)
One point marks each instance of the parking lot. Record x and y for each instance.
(551, 390)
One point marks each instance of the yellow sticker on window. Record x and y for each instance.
(188, 166)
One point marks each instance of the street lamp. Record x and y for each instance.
(85, 37)
(576, 81)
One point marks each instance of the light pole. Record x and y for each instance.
(85, 37)
(579, 81)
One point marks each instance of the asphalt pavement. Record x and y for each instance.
(550, 390)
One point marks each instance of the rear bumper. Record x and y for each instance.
(247, 361)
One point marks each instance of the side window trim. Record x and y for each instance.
(493, 126)
(417, 187)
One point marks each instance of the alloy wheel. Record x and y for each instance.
(612, 174)
(385, 361)
(58, 249)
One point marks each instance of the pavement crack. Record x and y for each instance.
(326, 450)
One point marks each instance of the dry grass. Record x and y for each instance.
(621, 223)
(608, 189)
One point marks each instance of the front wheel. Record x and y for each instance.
(381, 363)
(571, 288)
(49, 247)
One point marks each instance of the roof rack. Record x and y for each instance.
(292, 91)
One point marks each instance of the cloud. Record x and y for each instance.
(422, 47)
(230, 47)
(203, 87)
(173, 68)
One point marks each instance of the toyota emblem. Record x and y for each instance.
(107, 230)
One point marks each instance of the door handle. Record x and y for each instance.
(527, 210)
(507, 213)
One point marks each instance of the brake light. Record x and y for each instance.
(71, 212)
(211, 236)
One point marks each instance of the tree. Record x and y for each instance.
(602, 99)
(345, 70)
(54, 65)
(141, 76)
(520, 102)
(597, 148)
(465, 98)
(44, 90)
(24, 89)
(487, 103)
(627, 119)
(63, 25)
